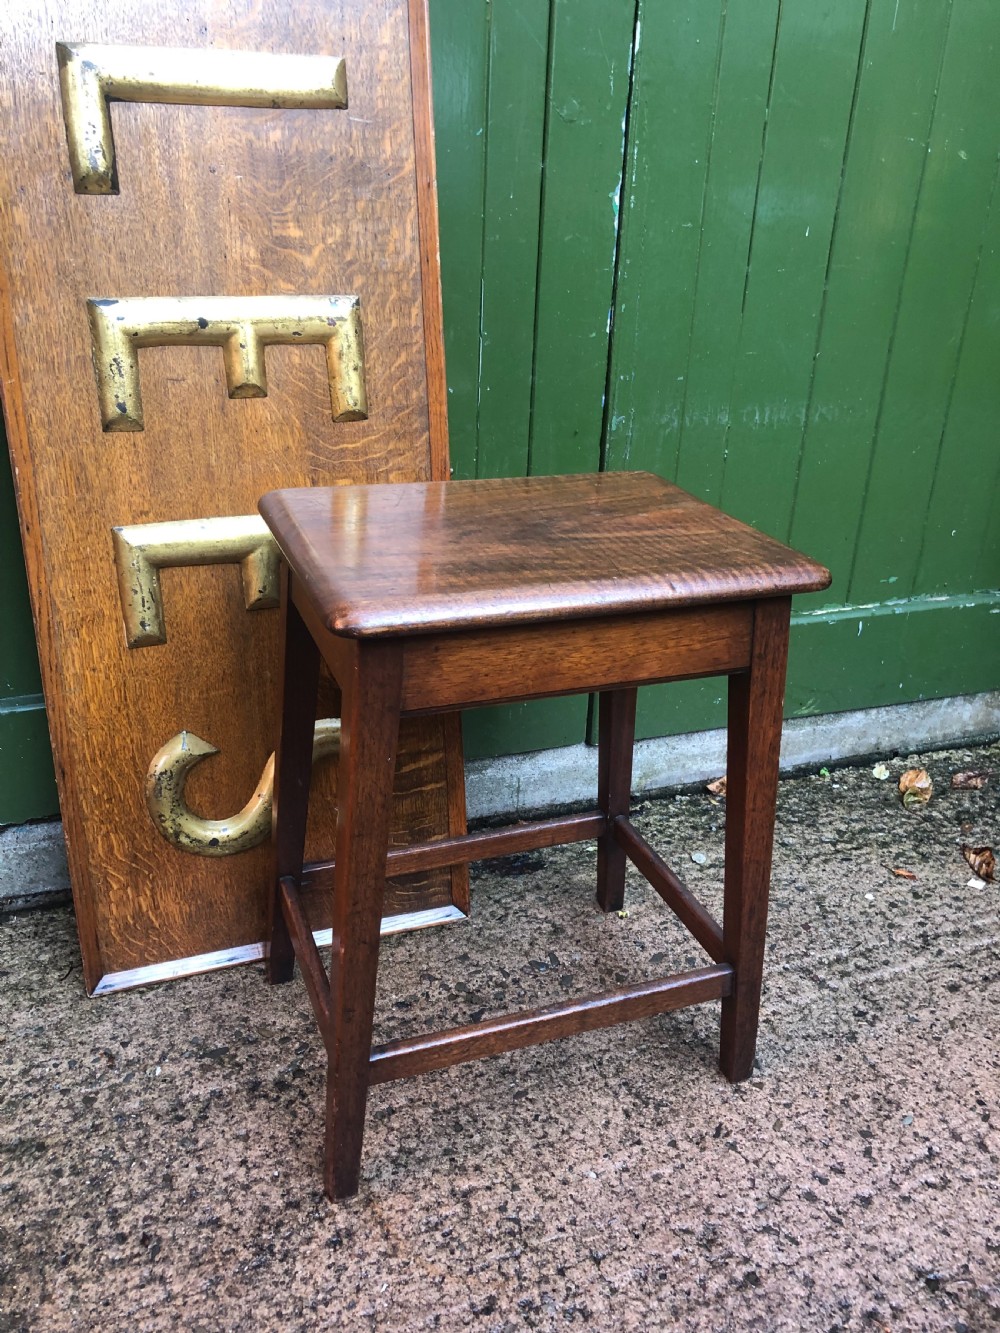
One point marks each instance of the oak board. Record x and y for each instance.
(213, 201)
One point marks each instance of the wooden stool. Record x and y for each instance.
(432, 597)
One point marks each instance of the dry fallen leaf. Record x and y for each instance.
(915, 787)
(718, 787)
(903, 874)
(970, 781)
(982, 860)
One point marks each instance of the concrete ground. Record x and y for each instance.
(160, 1150)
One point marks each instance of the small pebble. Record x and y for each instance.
(699, 858)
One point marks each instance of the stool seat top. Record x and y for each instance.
(422, 557)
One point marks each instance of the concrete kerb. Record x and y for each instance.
(33, 870)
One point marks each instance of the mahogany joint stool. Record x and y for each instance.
(432, 597)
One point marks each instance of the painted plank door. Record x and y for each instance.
(531, 100)
(806, 325)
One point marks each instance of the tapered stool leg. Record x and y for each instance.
(369, 729)
(616, 737)
(755, 701)
(292, 774)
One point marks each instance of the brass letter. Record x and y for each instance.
(242, 326)
(91, 76)
(187, 831)
(143, 550)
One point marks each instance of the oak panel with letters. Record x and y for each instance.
(214, 201)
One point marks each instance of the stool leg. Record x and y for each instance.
(369, 729)
(292, 775)
(755, 700)
(616, 737)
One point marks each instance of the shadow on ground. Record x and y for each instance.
(160, 1150)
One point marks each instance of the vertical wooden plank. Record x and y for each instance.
(948, 236)
(590, 56)
(587, 90)
(682, 706)
(754, 743)
(734, 174)
(27, 785)
(962, 506)
(27, 777)
(428, 231)
(518, 70)
(18, 657)
(518, 57)
(986, 569)
(734, 103)
(539, 724)
(675, 84)
(882, 178)
(616, 713)
(811, 96)
(722, 72)
(297, 692)
(370, 728)
(459, 46)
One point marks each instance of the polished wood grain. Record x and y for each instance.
(371, 693)
(420, 601)
(524, 837)
(510, 661)
(313, 972)
(298, 692)
(214, 200)
(616, 738)
(419, 1055)
(520, 550)
(755, 703)
(567, 657)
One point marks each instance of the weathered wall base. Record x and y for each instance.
(518, 784)
(33, 860)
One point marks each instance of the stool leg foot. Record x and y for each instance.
(755, 701)
(616, 736)
(369, 730)
(292, 776)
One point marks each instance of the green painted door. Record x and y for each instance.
(27, 783)
(753, 245)
(529, 172)
(807, 323)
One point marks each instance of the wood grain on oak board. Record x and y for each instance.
(214, 201)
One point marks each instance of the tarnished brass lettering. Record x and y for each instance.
(189, 832)
(242, 326)
(92, 75)
(143, 550)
